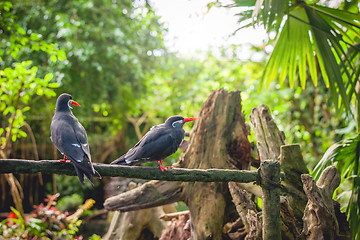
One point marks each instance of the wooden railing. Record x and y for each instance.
(268, 177)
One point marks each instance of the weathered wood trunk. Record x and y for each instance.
(321, 218)
(270, 145)
(217, 140)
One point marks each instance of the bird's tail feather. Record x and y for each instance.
(89, 176)
(96, 174)
(82, 174)
(120, 161)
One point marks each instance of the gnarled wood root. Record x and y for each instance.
(320, 220)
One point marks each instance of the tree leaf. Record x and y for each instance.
(53, 58)
(322, 37)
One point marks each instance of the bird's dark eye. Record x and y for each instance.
(174, 124)
(69, 104)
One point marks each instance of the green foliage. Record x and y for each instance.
(112, 47)
(95, 237)
(18, 86)
(181, 206)
(181, 84)
(71, 202)
(19, 83)
(315, 40)
(16, 41)
(67, 187)
(46, 222)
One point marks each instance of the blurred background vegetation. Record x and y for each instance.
(111, 57)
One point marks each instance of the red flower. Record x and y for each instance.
(12, 215)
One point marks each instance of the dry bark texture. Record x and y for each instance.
(293, 165)
(268, 137)
(248, 226)
(144, 224)
(218, 140)
(151, 194)
(179, 228)
(320, 216)
(270, 145)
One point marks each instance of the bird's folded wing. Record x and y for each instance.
(152, 146)
(70, 145)
(82, 138)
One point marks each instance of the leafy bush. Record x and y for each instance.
(71, 202)
(46, 222)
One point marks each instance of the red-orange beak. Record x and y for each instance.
(189, 119)
(75, 103)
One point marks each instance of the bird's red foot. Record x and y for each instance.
(64, 160)
(162, 167)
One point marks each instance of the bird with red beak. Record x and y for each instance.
(69, 137)
(157, 144)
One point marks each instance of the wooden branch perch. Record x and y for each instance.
(174, 174)
(151, 194)
(270, 177)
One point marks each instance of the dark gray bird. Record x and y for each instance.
(70, 138)
(157, 144)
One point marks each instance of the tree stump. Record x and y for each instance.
(217, 140)
(320, 216)
(270, 145)
(268, 137)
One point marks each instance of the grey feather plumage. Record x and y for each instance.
(70, 138)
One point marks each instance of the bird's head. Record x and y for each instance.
(178, 121)
(64, 102)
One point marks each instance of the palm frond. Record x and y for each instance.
(316, 42)
(308, 39)
(245, 3)
(293, 52)
(338, 15)
(338, 153)
(270, 13)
